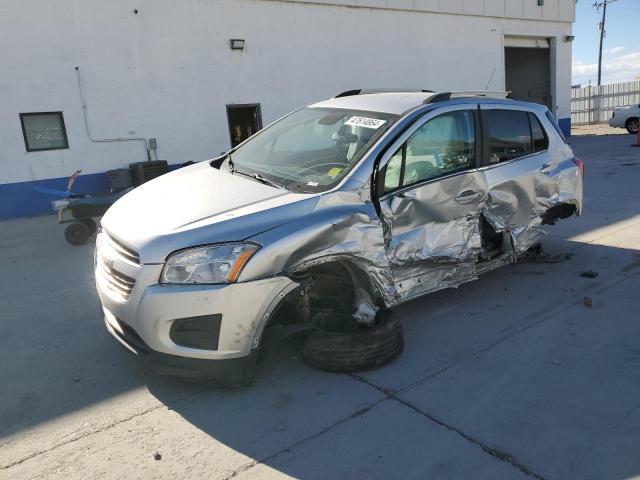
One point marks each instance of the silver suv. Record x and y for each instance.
(329, 217)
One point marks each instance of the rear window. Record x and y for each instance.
(509, 135)
(538, 135)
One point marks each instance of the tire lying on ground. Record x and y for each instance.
(363, 349)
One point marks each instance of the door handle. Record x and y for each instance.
(545, 167)
(408, 194)
(468, 196)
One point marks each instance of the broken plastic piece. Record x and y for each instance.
(366, 310)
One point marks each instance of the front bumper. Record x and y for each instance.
(230, 372)
(142, 322)
(616, 122)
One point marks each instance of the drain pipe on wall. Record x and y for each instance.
(102, 140)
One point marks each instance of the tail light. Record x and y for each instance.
(580, 164)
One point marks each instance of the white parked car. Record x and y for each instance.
(626, 117)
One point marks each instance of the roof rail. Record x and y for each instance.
(444, 96)
(365, 91)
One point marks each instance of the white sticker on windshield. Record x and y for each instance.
(365, 122)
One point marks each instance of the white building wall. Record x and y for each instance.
(168, 72)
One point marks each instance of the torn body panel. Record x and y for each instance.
(342, 228)
(433, 233)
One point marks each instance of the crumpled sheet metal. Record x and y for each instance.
(343, 229)
(433, 241)
(422, 244)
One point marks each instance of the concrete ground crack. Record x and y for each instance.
(563, 308)
(78, 437)
(494, 452)
(102, 428)
(498, 454)
(627, 415)
(250, 465)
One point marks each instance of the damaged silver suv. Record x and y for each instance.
(327, 219)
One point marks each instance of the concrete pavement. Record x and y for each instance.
(511, 376)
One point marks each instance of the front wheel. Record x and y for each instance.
(632, 125)
(363, 349)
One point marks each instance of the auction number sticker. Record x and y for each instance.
(365, 122)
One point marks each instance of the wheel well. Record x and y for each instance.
(629, 120)
(333, 285)
(558, 212)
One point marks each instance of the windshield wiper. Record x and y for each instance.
(258, 177)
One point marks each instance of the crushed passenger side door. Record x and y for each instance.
(431, 203)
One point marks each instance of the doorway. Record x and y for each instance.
(244, 121)
(528, 70)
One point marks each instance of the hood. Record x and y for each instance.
(197, 205)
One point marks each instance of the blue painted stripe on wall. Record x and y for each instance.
(565, 125)
(19, 200)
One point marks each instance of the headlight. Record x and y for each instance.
(210, 264)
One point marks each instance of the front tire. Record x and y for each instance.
(364, 349)
(632, 125)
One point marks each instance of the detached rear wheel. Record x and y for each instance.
(632, 125)
(363, 349)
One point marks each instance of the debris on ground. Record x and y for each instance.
(156, 455)
(537, 255)
(589, 274)
(587, 302)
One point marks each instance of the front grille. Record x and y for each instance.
(117, 282)
(124, 251)
(111, 258)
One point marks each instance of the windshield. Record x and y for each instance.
(312, 149)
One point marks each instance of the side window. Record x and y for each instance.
(393, 171)
(443, 145)
(509, 134)
(538, 135)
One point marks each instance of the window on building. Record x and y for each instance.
(442, 146)
(43, 131)
(509, 135)
(538, 135)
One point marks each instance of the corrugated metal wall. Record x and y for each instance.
(596, 104)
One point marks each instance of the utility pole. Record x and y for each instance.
(602, 5)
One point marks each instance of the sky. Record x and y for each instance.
(621, 50)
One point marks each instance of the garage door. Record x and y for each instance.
(528, 69)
